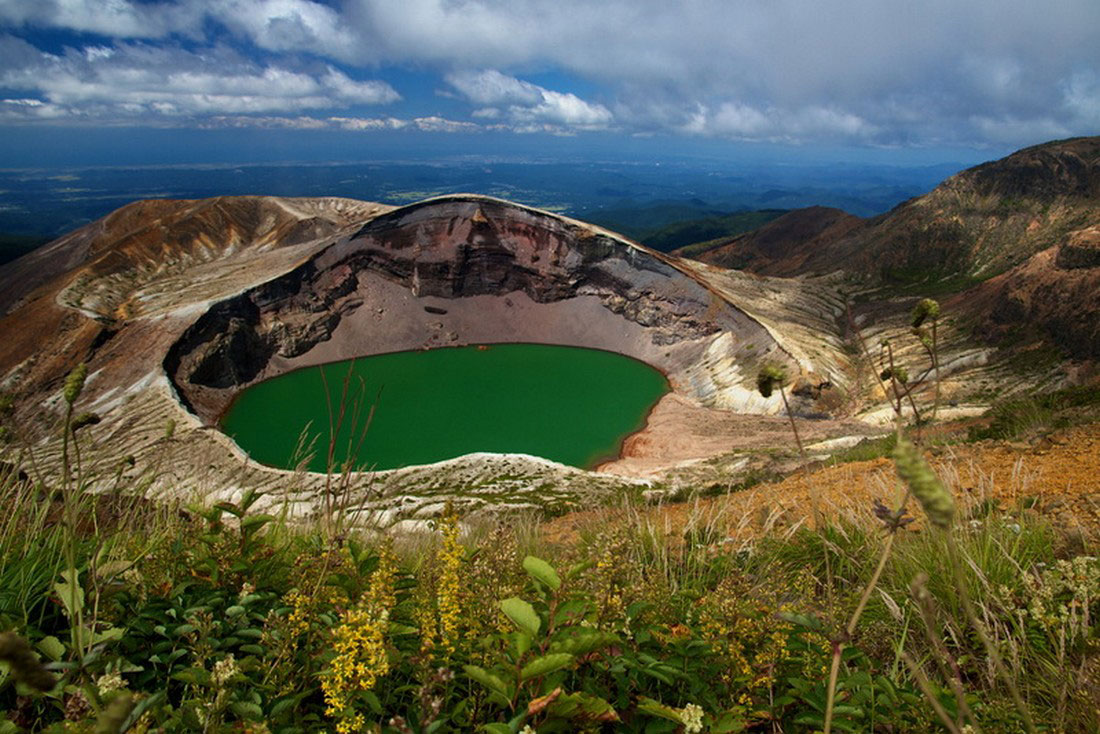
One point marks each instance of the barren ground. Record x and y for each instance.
(1057, 476)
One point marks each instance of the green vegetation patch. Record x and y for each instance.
(706, 230)
(1040, 413)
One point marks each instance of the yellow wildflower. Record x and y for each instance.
(450, 585)
(360, 645)
(298, 622)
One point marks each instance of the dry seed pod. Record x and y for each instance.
(768, 377)
(74, 383)
(85, 419)
(937, 502)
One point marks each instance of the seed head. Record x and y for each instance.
(892, 519)
(16, 652)
(85, 419)
(898, 373)
(74, 383)
(926, 309)
(937, 502)
(769, 377)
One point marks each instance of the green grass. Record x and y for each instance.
(1017, 417)
(225, 618)
(868, 449)
(707, 230)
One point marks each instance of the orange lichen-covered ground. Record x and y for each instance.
(1058, 476)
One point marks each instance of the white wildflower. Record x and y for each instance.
(224, 670)
(692, 718)
(110, 682)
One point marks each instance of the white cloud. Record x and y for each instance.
(29, 110)
(738, 121)
(133, 79)
(292, 25)
(878, 71)
(366, 123)
(527, 105)
(437, 124)
(265, 122)
(355, 124)
(875, 71)
(116, 18)
(490, 87)
(1082, 98)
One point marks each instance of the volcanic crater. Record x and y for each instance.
(470, 270)
(178, 306)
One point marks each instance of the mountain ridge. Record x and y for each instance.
(177, 305)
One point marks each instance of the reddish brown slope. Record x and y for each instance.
(1026, 228)
(982, 221)
(122, 251)
(157, 232)
(785, 245)
(978, 223)
(1056, 292)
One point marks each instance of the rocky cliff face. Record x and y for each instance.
(123, 285)
(1054, 295)
(1024, 228)
(427, 275)
(978, 223)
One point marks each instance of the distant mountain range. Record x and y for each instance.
(636, 198)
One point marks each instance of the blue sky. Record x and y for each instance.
(876, 78)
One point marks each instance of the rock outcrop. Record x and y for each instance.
(1023, 232)
(462, 270)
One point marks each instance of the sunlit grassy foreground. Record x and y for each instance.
(224, 620)
(121, 614)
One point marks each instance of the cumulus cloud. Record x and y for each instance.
(117, 18)
(132, 79)
(292, 25)
(873, 71)
(355, 124)
(527, 104)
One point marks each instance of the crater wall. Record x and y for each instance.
(463, 270)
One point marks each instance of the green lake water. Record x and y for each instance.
(563, 403)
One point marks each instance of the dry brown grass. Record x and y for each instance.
(1059, 477)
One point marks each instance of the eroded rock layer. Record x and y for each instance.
(462, 270)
